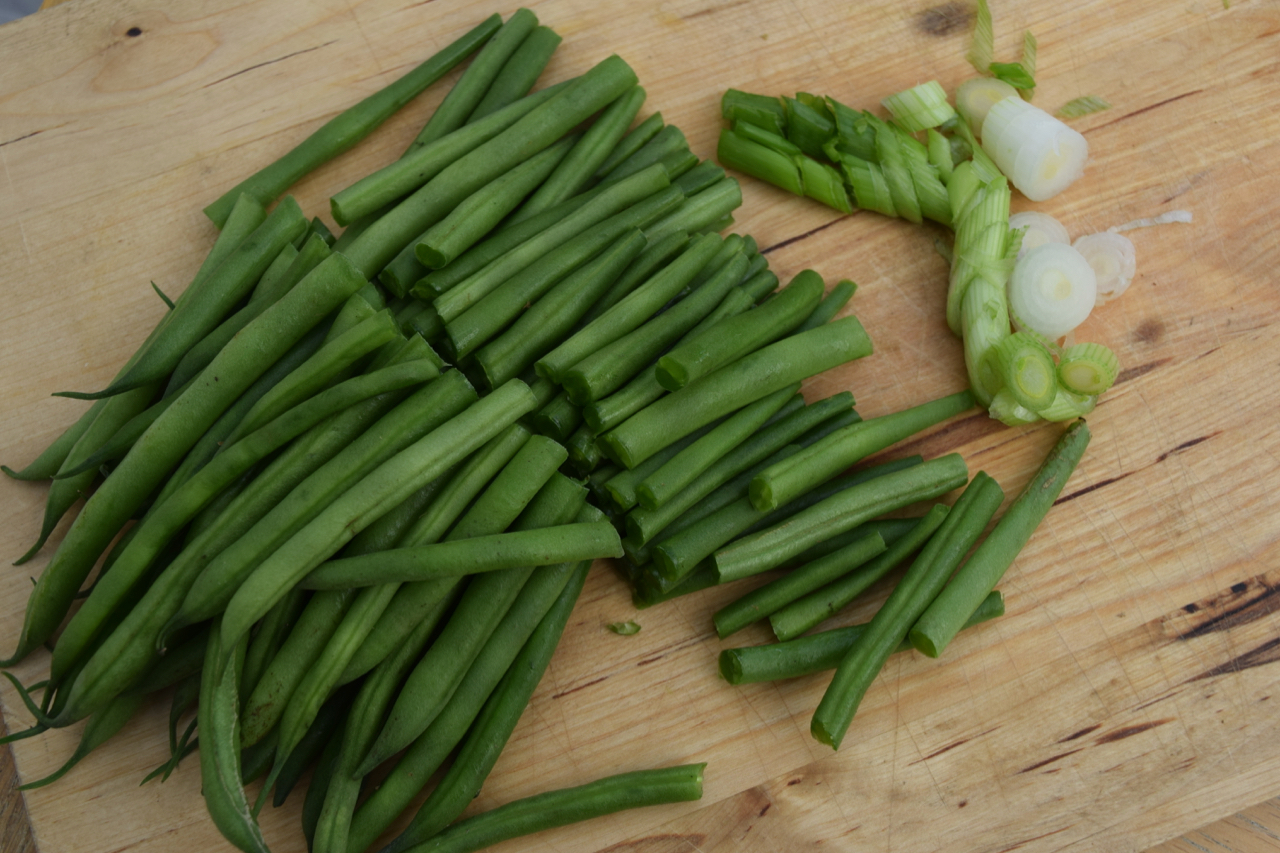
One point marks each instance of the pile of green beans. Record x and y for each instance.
(349, 548)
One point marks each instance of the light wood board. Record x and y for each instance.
(1128, 696)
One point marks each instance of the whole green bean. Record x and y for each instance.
(498, 718)
(206, 301)
(778, 483)
(100, 728)
(476, 215)
(742, 334)
(547, 321)
(979, 575)
(50, 460)
(471, 556)
(830, 306)
(618, 198)
(118, 445)
(351, 125)
(733, 386)
(889, 627)
(807, 611)
(371, 251)
(630, 312)
(267, 640)
(761, 602)
(224, 794)
(684, 468)
(326, 727)
(569, 805)
(182, 662)
(325, 772)
(817, 652)
(375, 195)
(518, 73)
(369, 499)
(587, 156)
(635, 139)
(260, 344)
(475, 81)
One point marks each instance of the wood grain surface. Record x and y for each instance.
(1128, 696)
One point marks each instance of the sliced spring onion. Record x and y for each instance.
(1015, 75)
(1027, 369)
(920, 107)
(1087, 105)
(1162, 219)
(975, 98)
(940, 155)
(984, 315)
(1112, 257)
(1088, 369)
(1052, 290)
(1040, 155)
(983, 48)
(1030, 48)
(1009, 411)
(1067, 406)
(1038, 229)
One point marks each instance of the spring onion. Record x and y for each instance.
(1026, 369)
(1112, 258)
(1040, 155)
(1087, 105)
(1037, 229)
(1088, 369)
(1052, 290)
(920, 107)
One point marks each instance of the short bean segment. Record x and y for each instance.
(486, 601)
(518, 73)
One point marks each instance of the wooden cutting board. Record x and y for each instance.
(1130, 693)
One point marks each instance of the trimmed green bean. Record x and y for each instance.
(587, 156)
(350, 126)
(779, 483)
(470, 89)
(760, 603)
(699, 178)
(742, 334)
(657, 254)
(818, 652)
(519, 73)
(569, 805)
(584, 455)
(666, 141)
(633, 310)
(608, 368)
(546, 123)
(734, 303)
(623, 485)
(707, 211)
(889, 627)
(733, 386)
(976, 578)
(536, 331)
(674, 476)
(830, 305)
(635, 139)
(761, 285)
(372, 197)
(558, 419)
(470, 556)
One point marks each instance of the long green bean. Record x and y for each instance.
(518, 73)
(350, 126)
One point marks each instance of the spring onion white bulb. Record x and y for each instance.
(1040, 228)
(1052, 290)
(975, 97)
(1112, 258)
(1040, 155)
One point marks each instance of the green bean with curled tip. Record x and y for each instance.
(742, 334)
(238, 365)
(374, 248)
(818, 652)
(807, 611)
(588, 154)
(364, 202)
(889, 627)
(601, 208)
(536, 331)
(269, 290)
(369, 499)
(518, 73)
(733, 386)
(779, 483)
(633, 310)
(682, 469)
(978, 576)
(100, 728)
(495, 723)
(207, 300)
(351, 125)
(476, 215)
(476, 80)
(128, 650)
(168, 517)
(608, 368)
